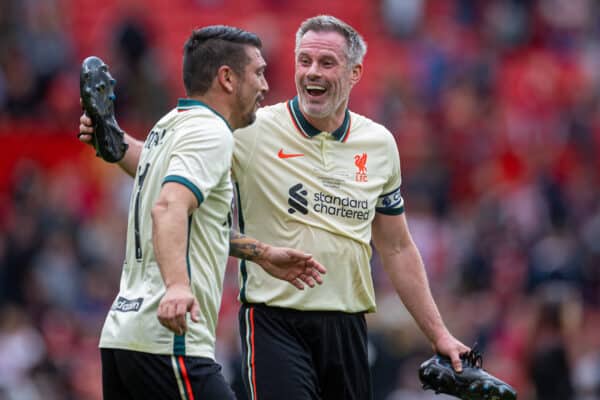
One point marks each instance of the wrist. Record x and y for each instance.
(261, 252)
(180, 285)
(440, 336)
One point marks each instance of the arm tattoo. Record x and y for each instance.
(244, 247)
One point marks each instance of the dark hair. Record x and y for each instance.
(211, 47)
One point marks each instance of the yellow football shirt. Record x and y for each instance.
(191, 145)
(318, 192)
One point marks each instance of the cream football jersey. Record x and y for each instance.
(191, 145)
(317, 192)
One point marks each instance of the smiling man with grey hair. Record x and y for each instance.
(310, 173)
(356, 48)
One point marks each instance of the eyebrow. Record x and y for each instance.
(304, 53)
(319, 57)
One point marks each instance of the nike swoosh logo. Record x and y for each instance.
(281, 154)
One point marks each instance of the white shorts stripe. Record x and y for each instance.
(178, 378)
(249, 353)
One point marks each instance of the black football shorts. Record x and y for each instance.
(304, 355)
(132, 375)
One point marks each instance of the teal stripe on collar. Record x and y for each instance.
(340, 133)
(186, 104)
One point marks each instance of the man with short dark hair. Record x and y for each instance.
(178, 235)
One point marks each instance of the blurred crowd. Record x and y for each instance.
(495, 106)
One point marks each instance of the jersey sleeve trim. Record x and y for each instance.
(393, 211)
(188, 184)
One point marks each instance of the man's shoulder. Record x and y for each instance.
(366, 126)
(266, 115)
(271, 111)
(198, 119)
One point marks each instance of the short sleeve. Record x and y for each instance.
(200, 157)
(390, 202)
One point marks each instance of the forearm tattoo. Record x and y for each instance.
(241, 246)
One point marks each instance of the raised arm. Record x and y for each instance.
(129, 163)
(404, 266)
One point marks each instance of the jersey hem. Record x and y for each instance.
(153, 350)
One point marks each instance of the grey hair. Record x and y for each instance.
(356, 48)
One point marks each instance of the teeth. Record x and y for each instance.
(312, 87)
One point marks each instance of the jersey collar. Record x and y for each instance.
(305, 127)
(189, 104)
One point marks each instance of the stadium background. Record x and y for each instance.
(495, 106)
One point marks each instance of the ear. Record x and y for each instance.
(226, 78)
(356, 74)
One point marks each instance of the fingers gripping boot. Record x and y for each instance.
(96, 87)
(473, 383)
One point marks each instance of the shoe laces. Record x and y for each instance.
(473, 358)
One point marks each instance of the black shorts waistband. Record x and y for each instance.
(293, 311)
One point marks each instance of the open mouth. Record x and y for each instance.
(315, 90)
(258, 101)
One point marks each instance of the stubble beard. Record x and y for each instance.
(321, 111)
(325, 110)
(247, 118)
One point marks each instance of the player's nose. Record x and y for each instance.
(264, 85)
(314, 71)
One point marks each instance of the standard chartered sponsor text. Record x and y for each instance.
(345, 207)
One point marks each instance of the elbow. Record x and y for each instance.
(394, 249)
(158, 210)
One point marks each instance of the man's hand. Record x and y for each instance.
(452, 348)
(86, 129)
(473, 382)
(132, 156)
(296, 267)
(174, 306)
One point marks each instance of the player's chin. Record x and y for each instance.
(249, 118)
(317, 111)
